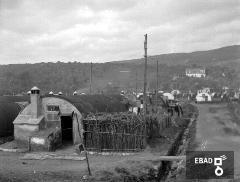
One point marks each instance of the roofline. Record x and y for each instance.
(57, 96)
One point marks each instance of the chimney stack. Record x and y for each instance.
(35, 102)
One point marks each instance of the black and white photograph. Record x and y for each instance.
(119, 90)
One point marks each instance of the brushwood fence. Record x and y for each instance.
(114, 132)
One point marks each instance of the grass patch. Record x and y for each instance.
(234, 109)
(213, 110)
(231, 131)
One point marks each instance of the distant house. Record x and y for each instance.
(195, 72)
(203, 97)
(205, 90)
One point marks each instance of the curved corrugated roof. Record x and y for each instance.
(95, 103)
(8, 112)
(84, 103)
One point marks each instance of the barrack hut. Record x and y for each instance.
(50, 120)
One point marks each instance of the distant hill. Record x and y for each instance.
(209, 57)
(71, 76)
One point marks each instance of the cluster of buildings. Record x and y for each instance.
(202, 95)
(209, 95)
(192, 72)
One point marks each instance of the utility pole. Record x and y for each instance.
(136, 82)
(157, 87)
(145, 79)
(90, 89)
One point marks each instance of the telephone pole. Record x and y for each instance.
(90, 89)
(136, 82)
(145, 79)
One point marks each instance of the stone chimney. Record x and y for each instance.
(35, 102)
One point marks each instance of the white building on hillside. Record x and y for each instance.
(196, 72)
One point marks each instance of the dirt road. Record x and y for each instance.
(217, 131)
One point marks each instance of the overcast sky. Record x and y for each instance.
(107, 30)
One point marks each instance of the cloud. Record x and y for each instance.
(93, 30)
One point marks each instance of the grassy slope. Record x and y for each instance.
(67, 77)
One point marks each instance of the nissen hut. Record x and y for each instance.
(48, 121)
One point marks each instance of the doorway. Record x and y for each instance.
(67, 129)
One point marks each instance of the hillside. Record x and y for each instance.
(68, 77)
(209, 57)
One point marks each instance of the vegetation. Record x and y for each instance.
(222, 70)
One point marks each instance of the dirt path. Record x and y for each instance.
(216, 131)
(104, 168)
(13, 169)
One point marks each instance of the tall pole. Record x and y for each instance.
(157, 87)
(90, 89)
(145, 79)
(136, 82)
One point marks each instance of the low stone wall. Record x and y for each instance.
(47, 140)
(24, 131)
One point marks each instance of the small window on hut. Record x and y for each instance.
(53, 108)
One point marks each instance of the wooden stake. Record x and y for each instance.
(88, 166)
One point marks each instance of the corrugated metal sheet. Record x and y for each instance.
(96, 103)
(7, 99)
(8, 112)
